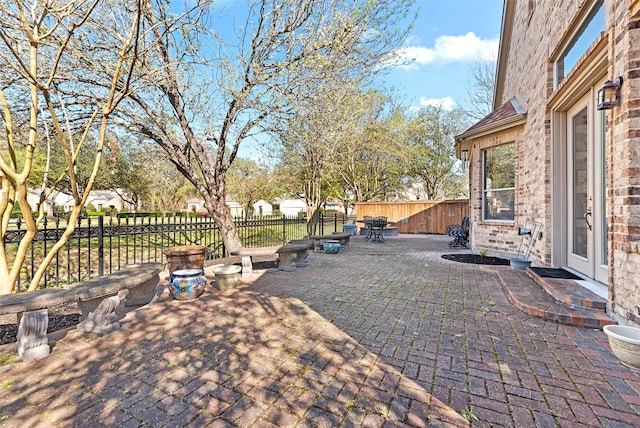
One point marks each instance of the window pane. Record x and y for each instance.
(499, 167)
(593, 26)
(499, 182)
(580, 189)
(498, 205)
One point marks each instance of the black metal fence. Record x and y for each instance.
(101, 245)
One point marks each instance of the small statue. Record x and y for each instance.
(104, 318)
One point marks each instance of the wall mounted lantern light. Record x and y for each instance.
(464, 157)
(609, 94)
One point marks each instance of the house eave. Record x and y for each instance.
(493, 127)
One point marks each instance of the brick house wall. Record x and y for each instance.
(624, 158)
(529, 45)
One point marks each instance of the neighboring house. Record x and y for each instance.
(262, 208)
(235, 207)
(553, 153)
(333, 206)
(196, 205)
(57, 198)
(102, 199)
(291, 207)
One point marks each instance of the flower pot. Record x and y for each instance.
(625, 344)
(520, 264)
(227, 276)
(187, 284)
(185, 257)
(331, 246)
(350, 228)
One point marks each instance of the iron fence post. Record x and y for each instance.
(100, 245)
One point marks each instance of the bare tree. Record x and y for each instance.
(200, 97)
(480, 94)
(40, 90)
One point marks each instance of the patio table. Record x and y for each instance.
(375, 228)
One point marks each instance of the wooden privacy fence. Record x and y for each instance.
(417, 216)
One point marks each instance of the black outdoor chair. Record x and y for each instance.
(460, 233)
(378, 225)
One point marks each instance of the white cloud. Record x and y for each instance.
(446, 49)
(447, 103)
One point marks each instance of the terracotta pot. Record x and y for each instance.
(185, 257)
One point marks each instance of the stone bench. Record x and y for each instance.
(318, 240)
(97, 298)
(290, 256)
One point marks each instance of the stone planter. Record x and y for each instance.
(185, 257)
(625, 344)
(227, 276)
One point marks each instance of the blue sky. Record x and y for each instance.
(447, 38)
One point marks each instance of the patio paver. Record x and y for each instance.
(386, 334)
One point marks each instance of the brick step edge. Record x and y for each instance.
(526, 295)
(569, 292)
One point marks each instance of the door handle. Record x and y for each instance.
(587, 216)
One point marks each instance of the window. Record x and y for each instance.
(498, 184)
(586, 34)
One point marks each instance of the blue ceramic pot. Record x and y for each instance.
(331, 247)
(187, 284)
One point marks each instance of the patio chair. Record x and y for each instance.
(460, 234)
(378, 225)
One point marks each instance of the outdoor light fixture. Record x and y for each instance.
(464, 157)
(609, 94)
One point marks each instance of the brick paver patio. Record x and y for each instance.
(385, 334)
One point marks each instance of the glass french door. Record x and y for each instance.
(586, 179)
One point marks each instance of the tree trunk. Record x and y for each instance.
(221, 213)
(313, 216)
